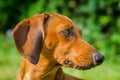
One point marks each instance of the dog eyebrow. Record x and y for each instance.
(70, 27)
(60, 28)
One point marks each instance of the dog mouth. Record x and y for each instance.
(82, 67)
(69, 63)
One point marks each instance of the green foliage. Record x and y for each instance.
(11, 11)
(9, 59)
(99, 20)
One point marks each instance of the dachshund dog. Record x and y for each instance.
(49, 41)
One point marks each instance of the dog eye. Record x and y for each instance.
(67, 32)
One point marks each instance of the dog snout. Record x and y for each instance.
(98, 58)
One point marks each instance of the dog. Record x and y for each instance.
(49, 41)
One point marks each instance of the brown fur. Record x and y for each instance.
(44, 48)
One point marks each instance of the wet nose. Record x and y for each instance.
(98, 58)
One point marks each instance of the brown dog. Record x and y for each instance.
(49, 41)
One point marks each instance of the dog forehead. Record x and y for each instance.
(63, 21)
(62, 17)
(58, 21)
(71, 23)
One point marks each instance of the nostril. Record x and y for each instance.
(98, 58)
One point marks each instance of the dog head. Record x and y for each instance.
(56, 37)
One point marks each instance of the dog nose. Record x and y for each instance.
(98, 58)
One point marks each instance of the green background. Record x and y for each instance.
(99, 20)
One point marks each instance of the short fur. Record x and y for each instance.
(45, 49)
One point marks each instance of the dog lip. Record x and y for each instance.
(69, 63)
(83, 67)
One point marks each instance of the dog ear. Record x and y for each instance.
(29, 37)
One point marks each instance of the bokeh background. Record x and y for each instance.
(99, 20)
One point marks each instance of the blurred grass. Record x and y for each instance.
(10, 61)
(106, 71)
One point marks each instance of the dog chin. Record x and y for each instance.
(83, 67)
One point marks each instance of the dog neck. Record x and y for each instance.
(44, 70)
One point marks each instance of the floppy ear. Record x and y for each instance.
(29, 37)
